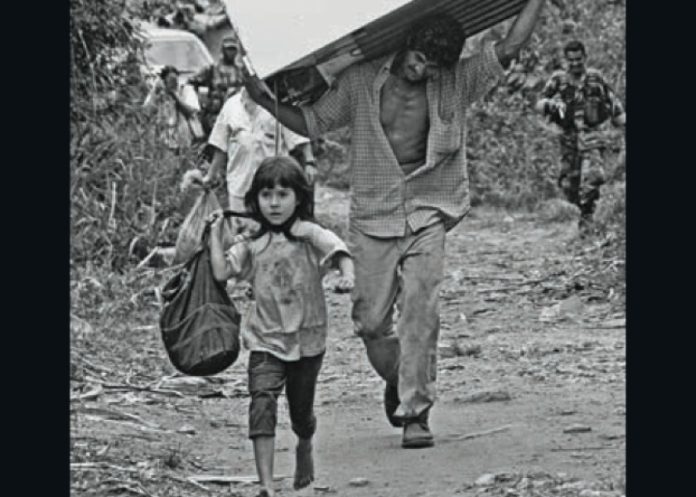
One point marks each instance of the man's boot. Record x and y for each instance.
(417, 432)
(391, 402)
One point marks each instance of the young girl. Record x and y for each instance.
(285, 330)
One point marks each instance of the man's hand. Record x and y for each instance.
(344, 283)
(191, 177)
(209, 179)
(254, 86)
(311, 173)
(556, 107)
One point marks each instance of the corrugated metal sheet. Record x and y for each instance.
(384, 35)
(387, 34)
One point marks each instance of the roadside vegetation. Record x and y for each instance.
(124, 189)
(126, 201)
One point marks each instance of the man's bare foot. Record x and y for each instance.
(304, 464)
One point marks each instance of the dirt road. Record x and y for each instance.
(531, 394)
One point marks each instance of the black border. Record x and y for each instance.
(659, 91)
(36, 244)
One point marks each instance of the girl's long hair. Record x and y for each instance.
(286, 172)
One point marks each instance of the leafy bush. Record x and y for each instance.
(610, 216)
(557, 210)
(123, 184)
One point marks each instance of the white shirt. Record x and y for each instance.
(246, 132)
(175, 131)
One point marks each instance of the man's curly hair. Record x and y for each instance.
(439, 37)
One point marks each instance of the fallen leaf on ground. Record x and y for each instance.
(359, 482)
(577, 429)
(485, 480)
(486, 396)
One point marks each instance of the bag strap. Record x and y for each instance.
(227, 213)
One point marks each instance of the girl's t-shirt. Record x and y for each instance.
(288, 318)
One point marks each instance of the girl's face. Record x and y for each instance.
(277, 204)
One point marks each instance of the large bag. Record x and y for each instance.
(199, 323)
(190, 234)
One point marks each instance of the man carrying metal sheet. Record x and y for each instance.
(409, 187)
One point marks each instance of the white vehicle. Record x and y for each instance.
(174, 47)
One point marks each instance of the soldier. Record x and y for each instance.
(580, 102)
(222, 79)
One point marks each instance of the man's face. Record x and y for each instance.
(576, 62)
(171, 81)
(229, 54)
(215, 104)
(416, 67)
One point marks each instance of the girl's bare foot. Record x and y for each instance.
(304, 464)
(265, 492)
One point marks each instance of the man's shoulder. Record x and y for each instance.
(366, 68)
(232, 104)
(594, 73)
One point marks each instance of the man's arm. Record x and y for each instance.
(331, 111)
(547, 101)
(219, 161)
(520, 32)
(151, 99)
(187, 102)
(618, 114)
(308, 162)
(185, 108)
(202, 77)
(219, 139)
(289, 116)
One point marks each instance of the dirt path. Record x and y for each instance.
(516, 381)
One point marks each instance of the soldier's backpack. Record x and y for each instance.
(597, 106)
(199, 324)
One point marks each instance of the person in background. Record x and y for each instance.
(176, 106)
(221, 79)
(580, 101)
(244, 134)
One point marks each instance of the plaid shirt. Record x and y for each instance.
(383, 198)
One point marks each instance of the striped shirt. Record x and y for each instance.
(383, 197)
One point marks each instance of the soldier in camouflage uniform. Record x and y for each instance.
(580, 102)
(223, 79)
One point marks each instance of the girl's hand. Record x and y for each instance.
(215, 220)
(344, 284)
